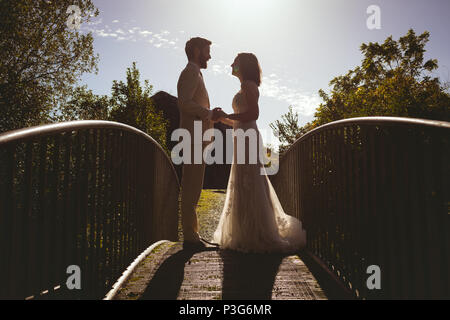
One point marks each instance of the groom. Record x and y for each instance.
(193, 103)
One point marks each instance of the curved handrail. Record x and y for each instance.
(372, 121)
(92, 194)
(374, 191)
(53, 128)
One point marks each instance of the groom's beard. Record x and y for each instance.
(203, 62)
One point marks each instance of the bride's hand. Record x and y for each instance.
(221, 115)
(218, 114)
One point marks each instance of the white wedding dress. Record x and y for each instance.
(253, 219)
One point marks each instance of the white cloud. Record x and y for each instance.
(304, 102)
(162, 39)
(274, 87)
(219, 69)
(145, 33)
(103, 34)
(95, 22)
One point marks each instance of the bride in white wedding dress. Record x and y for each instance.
(253, 219)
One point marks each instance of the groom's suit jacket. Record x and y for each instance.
(193, 100)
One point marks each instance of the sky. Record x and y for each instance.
(301, 44)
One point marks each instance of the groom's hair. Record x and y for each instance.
(197, 42)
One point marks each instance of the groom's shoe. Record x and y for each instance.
(194, 245)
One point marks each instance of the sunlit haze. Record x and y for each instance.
(301, 45)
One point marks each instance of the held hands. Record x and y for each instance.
(218, 114)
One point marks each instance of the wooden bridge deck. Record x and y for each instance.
(169, 272)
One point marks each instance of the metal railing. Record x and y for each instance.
(88, 193)
(374, 191)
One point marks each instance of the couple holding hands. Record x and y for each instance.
(252, 219)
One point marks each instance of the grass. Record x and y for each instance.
(209, 208)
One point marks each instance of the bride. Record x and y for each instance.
(253, 219)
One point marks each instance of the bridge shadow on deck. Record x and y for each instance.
(249, 276)
(245, 276)
(167, 281)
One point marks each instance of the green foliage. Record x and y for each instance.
(40, 58)
(129, 103)
(393, 80)
(288, 130)
(132, 105)
(83, 105)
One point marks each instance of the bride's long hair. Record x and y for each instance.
(249, 67)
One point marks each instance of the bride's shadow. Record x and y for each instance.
(248, 276)
(166, 282)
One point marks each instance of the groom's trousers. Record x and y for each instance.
(191, 188)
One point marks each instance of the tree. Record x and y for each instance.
(288, 130)
(131, 104)
(41, 58)
(84, 105)
(393, 80)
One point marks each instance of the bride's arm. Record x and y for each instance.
(227, 121)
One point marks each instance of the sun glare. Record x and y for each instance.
(248, 8)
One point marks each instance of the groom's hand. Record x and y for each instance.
(216, 114)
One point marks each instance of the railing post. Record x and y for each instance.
(386, 179)
(78, 194)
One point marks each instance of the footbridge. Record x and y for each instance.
(90, 210)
